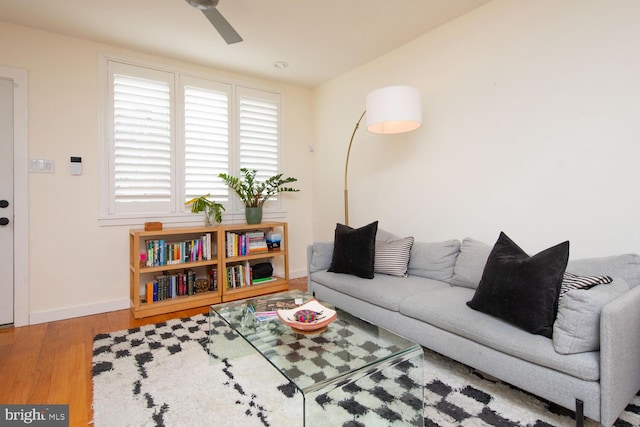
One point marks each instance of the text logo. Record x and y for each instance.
(34, 415)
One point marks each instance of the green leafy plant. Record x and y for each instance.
(254, 193)
(209, 207)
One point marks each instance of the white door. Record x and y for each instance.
(6, 201)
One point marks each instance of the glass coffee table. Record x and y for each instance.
(366, 372)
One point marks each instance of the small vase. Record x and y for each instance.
(209, 217)
(253, 215)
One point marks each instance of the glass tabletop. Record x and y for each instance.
(313, 361)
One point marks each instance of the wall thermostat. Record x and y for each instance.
(76, 165)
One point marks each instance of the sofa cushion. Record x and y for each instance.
(522, 289)
(392, 257)
(434, 260)
(321, 256)
(384, 291)
(354, 250)
(577, 326)
(385, 236)
(469, 266)
(446, 309)
(625, 266)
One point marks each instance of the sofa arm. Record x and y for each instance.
(319, 256)
(619, 359)
(309, 257)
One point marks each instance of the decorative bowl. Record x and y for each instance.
(309, 317)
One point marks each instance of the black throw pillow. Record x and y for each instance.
(354, 250)
(521, 289)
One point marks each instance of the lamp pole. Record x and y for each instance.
(346, 170)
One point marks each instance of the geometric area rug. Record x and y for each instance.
(161, 375)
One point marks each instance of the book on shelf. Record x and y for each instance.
(264, 280)
(175, 284)
(160, 252)
(149, 292)
(213, 279)
(240, 275)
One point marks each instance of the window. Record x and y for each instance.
(168, 135)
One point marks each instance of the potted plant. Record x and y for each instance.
(254, 193)
(210, 208)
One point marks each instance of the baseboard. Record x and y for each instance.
(296, 274)
(78, 311)
(87, 310)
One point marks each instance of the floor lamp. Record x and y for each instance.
(389, 110)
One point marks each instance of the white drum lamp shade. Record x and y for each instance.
(393, 109)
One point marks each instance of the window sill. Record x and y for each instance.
(185, 220)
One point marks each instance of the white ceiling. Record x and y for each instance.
(318, 39)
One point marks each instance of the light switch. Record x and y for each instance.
(42, 166)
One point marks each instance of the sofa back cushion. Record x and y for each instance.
(321, 256)
(434, 260)
(469, 266)
(577, 325)
(385, 236)
(625, 266)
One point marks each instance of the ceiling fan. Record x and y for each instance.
(208, 7)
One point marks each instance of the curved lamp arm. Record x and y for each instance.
(346, 170)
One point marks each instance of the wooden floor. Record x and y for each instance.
(50, 363)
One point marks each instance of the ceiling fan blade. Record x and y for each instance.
(222, 25)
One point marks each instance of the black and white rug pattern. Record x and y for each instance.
(391, 393)
(162, 375)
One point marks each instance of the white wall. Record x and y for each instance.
(531, 126)
(76, 266)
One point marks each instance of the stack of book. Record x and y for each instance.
(257, 241)
(247, 243)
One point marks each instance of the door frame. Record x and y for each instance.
(20, 79)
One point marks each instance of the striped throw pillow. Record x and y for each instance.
(393, 257)
(572, 281)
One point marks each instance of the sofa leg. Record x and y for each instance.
(579, 413)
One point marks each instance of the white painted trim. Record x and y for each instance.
(20, 194)
(78, 311)
(296, 274)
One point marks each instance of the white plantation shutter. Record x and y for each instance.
(141, 154)
(167, 136)
(259, 131)
(206, 142)
(142, 143)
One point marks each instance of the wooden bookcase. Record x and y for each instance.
(279, 258)
(141, 274)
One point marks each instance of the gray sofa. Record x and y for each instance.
(591, 365)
